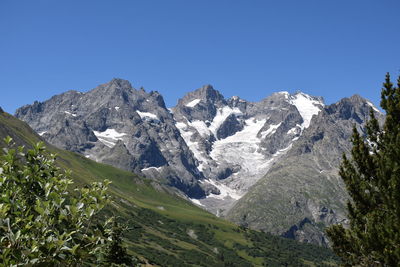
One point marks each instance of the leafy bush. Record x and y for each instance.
(43, 223)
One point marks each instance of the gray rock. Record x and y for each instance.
(118, 125)
(269, 165)
(303, 188)
(235, 141)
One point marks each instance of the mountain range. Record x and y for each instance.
(163, 229)
(270, 165)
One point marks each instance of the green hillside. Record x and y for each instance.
(166, 230)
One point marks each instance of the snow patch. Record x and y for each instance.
(193, 146)
(373, 106)
(204, 131)
(196, 201)
(293, 130)
(242, 148)
(109, 137)
(193, 103)
(307, 107)
(285, 93)
(201, 128)
(69, 113)
(144, 115)
(42, 133)
(271, 130)
(153, 168)
(117, 108)
(225, 191)
(220, 117)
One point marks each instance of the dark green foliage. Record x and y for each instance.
(265, 249)
(372, 178)
(279, 251)
(115, 251)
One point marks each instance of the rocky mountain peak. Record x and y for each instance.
(235, 158)
(120, 83)
(114, 87)
(236, 101)
(118, 125)
(354, 108)
(158, 98)
(200, 104)
(206, 94)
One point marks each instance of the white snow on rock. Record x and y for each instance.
(307, 107)
(181, 125)
(117, 108)
(201, 128)
(285, 93)
(144, 115)
(153, 168)
(109, 137)
(193, 146)
(272, 129)
(42, 133)
(196, 201)
(69, 113)
(294, 129)
(220, 117)
(225, 191)
(241, 148)
(373, 106)
(193, 103)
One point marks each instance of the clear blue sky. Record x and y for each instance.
(248, 48)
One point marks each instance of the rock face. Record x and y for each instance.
(118, 125)
(302, 193)
(235, 141)
(269, 165)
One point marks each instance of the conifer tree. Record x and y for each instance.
(372, 178)
(116, 253)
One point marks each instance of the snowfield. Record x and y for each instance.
(193, 103)
(147, 115)
(307, 107)
(109, 137)
(241, 151)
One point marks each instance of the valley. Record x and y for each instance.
(165, 229)
(270, 165)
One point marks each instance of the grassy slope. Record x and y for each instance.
(167, 230)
